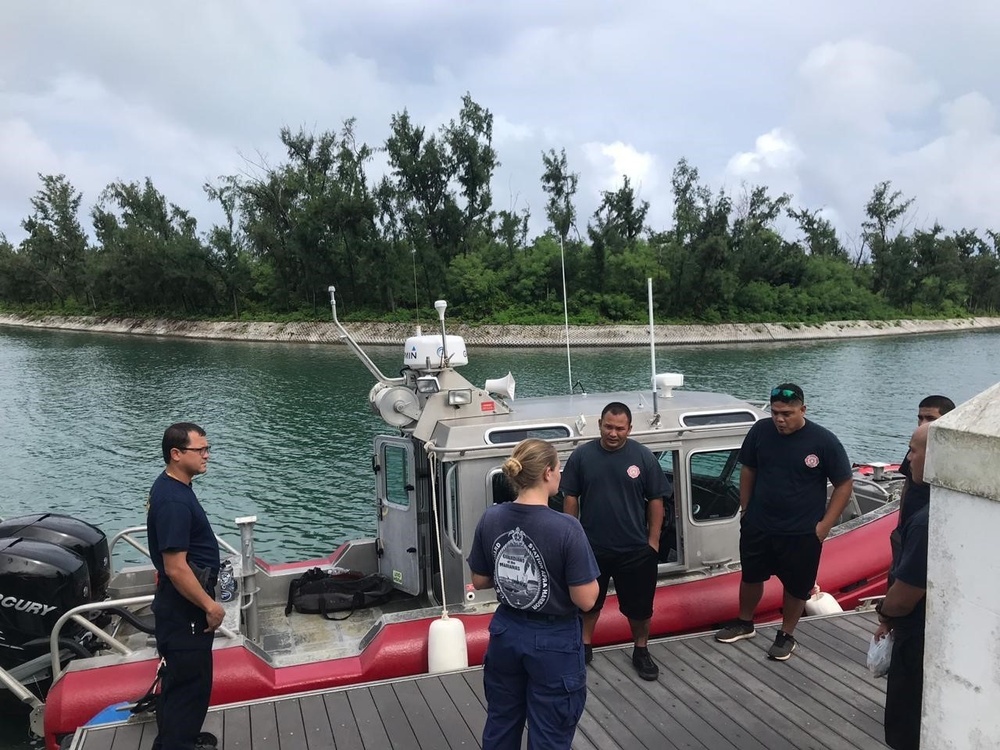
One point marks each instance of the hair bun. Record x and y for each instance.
(513, 466)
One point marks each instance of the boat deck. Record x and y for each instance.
(709, 695)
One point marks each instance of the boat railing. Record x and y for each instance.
(76, 615)
(127, 536)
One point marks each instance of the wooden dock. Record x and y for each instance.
(709, 696)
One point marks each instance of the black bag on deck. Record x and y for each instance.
(321, 591)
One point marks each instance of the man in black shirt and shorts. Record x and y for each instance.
(785, 517)
(616, 488)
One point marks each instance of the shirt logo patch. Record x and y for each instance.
(812, 460)
(633, 471)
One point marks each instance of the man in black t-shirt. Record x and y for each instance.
(902, 611)
(185, 554)
(785, 517)
(616, 487)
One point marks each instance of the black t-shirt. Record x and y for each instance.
(613, 488)
(176, 521)
(789, 494)
(910, 563)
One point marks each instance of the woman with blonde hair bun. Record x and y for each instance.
(544, 573)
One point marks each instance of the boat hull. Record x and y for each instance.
(855, 565)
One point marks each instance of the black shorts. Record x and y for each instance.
(635, 581)
(793, 558)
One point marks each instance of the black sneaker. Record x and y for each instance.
(644, 664)
(783, 646)
(588, 653)
(206, 741)
(737, 630)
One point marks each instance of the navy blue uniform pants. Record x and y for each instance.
(903, 692)
(534, 672)
(185, 688)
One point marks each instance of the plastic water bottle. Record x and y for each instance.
(227, 582)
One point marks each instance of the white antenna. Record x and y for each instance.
(569, 361)
(652, 341)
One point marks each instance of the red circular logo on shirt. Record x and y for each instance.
(633, 471)
(812, 460)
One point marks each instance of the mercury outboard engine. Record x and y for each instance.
(49, 563)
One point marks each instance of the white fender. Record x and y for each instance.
(446, 646)
(822, 603)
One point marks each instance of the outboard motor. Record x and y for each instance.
(49, 564)
(86, 540)
(39, 582)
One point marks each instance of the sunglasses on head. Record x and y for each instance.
(784, 393)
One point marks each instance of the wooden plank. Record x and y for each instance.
(291, 730)
(263, 727)
(316, 726)
(787, 716)
(737, 702)
(236, 726)
(601, 724)
(630, 714)
(343, 722)
(127, 737)
(450, 717)
(423, 722)
(149, 734)
(366, 715)
(459, 687)
(98, 738)
(849, 667)
(783, 678)
(394, 718)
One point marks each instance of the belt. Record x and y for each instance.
(524, 614)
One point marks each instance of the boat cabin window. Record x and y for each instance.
(542, 432)
(715, 484)
(397, 483)
(452, 516)
(718, 418)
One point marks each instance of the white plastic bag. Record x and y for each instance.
(879, 655)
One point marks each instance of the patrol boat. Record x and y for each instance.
(435, 473)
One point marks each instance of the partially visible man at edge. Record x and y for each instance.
(785, 516)
(902, 611)
(930, 409)
(615, 486)
(185, 553)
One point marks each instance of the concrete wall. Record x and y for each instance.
(506, 336)
(961, 708)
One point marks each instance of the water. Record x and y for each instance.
(81, 417)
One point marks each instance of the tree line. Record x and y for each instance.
(429, 229)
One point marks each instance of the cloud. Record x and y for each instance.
(822, 101)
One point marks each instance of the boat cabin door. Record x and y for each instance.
(396, 496)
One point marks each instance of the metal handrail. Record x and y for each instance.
(75, 615)
(125, 535)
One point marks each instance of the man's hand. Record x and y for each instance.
(214, 616)
(823, 530)
(884, 628)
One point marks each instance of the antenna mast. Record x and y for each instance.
(569, 361)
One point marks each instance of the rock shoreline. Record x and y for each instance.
(504, 335)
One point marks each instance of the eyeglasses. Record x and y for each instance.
(204, 451)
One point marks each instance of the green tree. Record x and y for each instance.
(56, 246)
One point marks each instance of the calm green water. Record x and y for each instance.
(81, 417)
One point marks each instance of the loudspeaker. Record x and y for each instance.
(502, 387)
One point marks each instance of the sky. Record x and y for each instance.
(821, 100)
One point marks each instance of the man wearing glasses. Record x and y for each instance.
(786, 462)
(186, 556)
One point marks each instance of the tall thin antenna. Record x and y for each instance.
(416, 302)
(569, 361)
(652, 341)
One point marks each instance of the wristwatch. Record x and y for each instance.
(884, 619)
